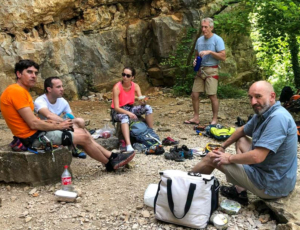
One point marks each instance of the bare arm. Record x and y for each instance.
(49, 115)
(254, 156)
(138, 90)
(34, 123)
(217, 55)
(234, 137)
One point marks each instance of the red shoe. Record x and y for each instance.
(169, 141)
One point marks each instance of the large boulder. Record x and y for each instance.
(33, 169)
(88, 43)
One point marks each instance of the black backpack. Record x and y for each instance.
(141, 133)
(286, 94)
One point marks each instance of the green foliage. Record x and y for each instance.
(229, 91)
(276, 23)
(180, 61)
(234, 22)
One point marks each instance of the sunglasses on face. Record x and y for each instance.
(127, 75)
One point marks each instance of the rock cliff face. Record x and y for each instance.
(88, 42)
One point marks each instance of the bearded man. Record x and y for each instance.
(266, 147)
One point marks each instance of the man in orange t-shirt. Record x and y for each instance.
(17, 110)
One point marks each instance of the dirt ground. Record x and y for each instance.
(115, 200)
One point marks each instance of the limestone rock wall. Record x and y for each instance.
(88, 42)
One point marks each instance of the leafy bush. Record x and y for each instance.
(229, 91)
(181, 61)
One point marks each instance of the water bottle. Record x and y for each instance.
(66, 180)
(198, 64)
(68, 116)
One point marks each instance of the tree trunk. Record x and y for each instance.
(294, 49)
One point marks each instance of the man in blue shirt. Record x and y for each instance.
(210, 47)
(266, 163)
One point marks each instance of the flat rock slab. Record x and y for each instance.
(33, 169)
(287, 209)
(109, 143)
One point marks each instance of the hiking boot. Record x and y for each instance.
(175, 155)
(188, 153)
(76, 152)
(155, 150)
(122, 146)
(139, 147)
(121, 160)
(169, 141)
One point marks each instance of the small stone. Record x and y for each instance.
(32, 191)
(28, 219)
(24, 214)
(13, 198)
(51, 189)
(180, 102)
(78, 199)
(146, 213)
(135, 226)
(8, 188)
(140, 206)
(36, 194)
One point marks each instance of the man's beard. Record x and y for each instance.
(263, 109)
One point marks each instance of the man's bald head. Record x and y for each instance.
(262, 96)
(263, 85)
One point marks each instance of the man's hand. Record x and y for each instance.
(220, 158)
(195, 62)
(204, 52)
(67, 124)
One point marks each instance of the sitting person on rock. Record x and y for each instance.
(266, 163)
(51, 106)
(122, 106)
(17, 110)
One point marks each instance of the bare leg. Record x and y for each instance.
(93, 149)
(78, 123)
(215, 108)
(195, 102)
(125, 132)
(205, 166)
(149, 120)
(243, 145)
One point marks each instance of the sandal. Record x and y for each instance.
(232, 193)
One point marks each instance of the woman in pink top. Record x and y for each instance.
(122, 104)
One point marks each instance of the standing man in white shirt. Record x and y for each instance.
(52, 106)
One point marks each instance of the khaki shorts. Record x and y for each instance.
(53, 136)
(236, 174)
(205, 82)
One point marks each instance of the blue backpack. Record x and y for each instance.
(141, 133)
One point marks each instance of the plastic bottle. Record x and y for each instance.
(68, 116)
(198, 64)
(66, 180)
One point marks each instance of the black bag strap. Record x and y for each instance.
(155, 199)
(188, 199)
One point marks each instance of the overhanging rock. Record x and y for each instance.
(33, 169)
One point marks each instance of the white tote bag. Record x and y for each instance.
(186, 198)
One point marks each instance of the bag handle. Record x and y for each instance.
(188, 199)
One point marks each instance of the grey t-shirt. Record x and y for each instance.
(214, 43)
(274, 130)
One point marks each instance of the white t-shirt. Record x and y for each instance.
(60, 106)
